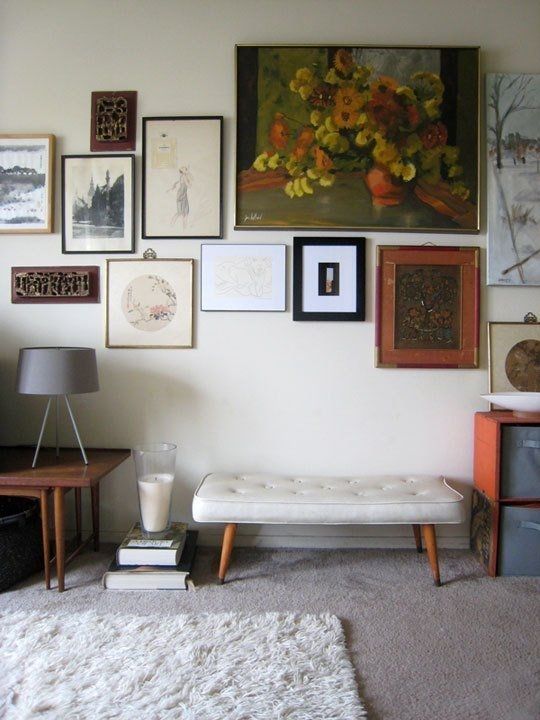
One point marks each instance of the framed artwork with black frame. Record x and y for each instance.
(182, 177)
(427, 307)
(329, 278)
(98, 203)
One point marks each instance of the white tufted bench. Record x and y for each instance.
(419, 500)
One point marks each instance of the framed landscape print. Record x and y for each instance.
(514, 356)
(149, 303)
(329, 278)
(64, 284)
(26, 183)
(247, 277)
(98, 203)
(337, 137)
(513, 179)
(182, 177)
(428, 303)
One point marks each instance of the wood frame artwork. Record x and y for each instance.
(357, 137)
(113, 124)
(427, 307)
(329, 278)
(182, 177)
(149, 303)
(27, 183)
(514, 356)
(62, 284)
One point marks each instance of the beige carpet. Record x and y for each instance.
(467, 650)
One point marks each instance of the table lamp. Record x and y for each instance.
(56, 371)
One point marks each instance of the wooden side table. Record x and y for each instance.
(58, 475)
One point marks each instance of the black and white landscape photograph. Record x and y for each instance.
(98, 208)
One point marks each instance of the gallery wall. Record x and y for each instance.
(258, 392)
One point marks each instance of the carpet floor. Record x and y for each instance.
(469, 649)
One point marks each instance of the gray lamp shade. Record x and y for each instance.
(57, 371)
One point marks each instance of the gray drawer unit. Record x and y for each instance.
(520, 461)
(519, 540)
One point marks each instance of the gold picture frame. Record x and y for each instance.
(149, 303)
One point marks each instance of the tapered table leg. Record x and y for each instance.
(44, 506)
(226, 550)
(59, 534)
(417, 537)
(78, 515)
(94, 490)
(431, 547)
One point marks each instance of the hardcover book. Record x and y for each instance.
(154, 577)
(136, 549)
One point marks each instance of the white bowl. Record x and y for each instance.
(522, 403)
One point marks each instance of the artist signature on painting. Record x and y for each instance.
(253, 217)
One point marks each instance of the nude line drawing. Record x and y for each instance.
(246, 276)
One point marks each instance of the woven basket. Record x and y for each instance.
(21, 545)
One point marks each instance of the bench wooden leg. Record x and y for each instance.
(226, 550)
(45, 535)
(417, 537)
(431, 547)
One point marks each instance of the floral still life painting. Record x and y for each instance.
(513, 179)
(26, 183)
(357, 137)
(149, 303)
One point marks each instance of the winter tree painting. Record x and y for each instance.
(513, 154)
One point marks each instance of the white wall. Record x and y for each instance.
(258, 391)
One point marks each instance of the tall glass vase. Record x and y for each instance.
(155, 468)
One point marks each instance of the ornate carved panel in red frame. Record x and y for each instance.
(113, 122)
(63, 284)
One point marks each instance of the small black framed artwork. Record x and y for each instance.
(329, 278)
(98, 203)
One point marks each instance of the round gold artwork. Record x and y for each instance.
(523, 366)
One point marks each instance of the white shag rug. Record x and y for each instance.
(184, 667)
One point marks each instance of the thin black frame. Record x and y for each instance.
(145, 121)
(298, 277)
(92, 156)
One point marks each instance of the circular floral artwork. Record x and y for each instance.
(522, 366)
(149, 303)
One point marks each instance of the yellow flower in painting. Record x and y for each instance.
(348, 98)
(406, 91)
(363, 137)
(305, 75)
(460, 190)
(313, 173)
(260, 162)
(384, 152)
(432, 108)
(315, 118)
(454, 171)
(274, 161)
(332, 78)
(361, 74)
(327, 180)
(345, 118)
(429, 81)
(396, 168)
(290, 165)
(333, 141)
(363, 120)
(330, 125)
(303, 83)
(409, 172)
(451, 155)
(343, 62)
(289, 189)
(321, 133)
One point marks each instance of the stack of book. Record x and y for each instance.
(149, 564)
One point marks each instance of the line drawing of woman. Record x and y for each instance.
(182, 202)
